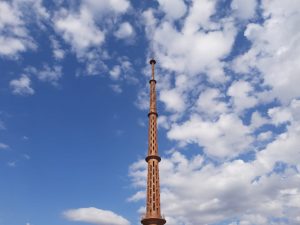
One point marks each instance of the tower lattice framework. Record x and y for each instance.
(153, 212)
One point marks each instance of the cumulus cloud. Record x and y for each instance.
(95, 216)
(280, 115)
(85, 28)
(224, 138)
(275, 49)
(21, 86)
(79, 29)
(123, 71)
(257, 120)
(15, 38)
(240, 92)
(210, 102)
(189, 54)
(173, 100)
(174, 50)
(244, 9)
(173, 9)
(125, 31)
(47, 73)
(106, 7)
(199, 192)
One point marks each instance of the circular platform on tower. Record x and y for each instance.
(152, 61)
(153, 221)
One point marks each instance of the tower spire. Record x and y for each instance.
(153, 213)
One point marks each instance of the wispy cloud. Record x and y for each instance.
(12, 164)
(21, 86)
(3, 146)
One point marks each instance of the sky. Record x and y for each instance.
(74, 100)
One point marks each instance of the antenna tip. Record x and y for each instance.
(152, 61)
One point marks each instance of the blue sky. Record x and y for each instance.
(74, 100)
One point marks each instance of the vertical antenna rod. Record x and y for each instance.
(153, 212)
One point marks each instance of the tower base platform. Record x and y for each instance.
(153, 221)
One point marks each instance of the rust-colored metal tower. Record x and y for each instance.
(153, 214)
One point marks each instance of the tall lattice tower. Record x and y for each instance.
(153, 214)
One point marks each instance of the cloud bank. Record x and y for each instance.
(238, 107)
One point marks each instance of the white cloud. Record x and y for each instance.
(137, 196)
(50, 74)
(106, 7)
(123, 71)
(285, 148)
(162, 121)
(196, 46)
(80, 30)
(15, 38)
(241, 94)
(40, 13)
(185, 51)
(95, 216)
(257, 120)
(199, 16)
(174, 9)
(275, 49)
(280, 115)
(115, 72)
(258, 191)
(22, 86)
(10, 46)
(173, 100)
(199, 192)
(225, 138)
(244, 9)
(247, 169)
(189, 48)
(46, 73)
(86, 27)
(58, 52)
(125, 31)
(210, 103)
(265, 136)
(142, 101)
